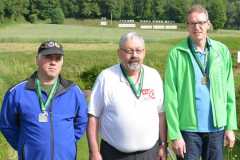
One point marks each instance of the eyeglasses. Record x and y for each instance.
(130, 51)
(200, 24)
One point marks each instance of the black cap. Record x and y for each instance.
(50, 47)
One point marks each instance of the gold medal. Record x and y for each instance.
(205, 80)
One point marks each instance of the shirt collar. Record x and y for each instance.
(123, 79)
(198, 52)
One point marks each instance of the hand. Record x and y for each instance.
(179, 147)
(162, 154)
(230, 137)
(95, 156)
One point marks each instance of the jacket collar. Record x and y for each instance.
(184, 45)
(32, 86)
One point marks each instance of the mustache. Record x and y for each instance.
(133, 60)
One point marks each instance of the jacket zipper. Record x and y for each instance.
(23, 151)
(76, 151)
(190, 55)
(213, 103)
(51, 119)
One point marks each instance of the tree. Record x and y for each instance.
(128, 9)
(158, 10)
(25, 10)
(143, 9)
(90, 8)
(217, 14)
(70, 8)
(201, 2)
(2, 11)
(57, 16)
(46, 7)
(95, 10)
(139, 9)
(111, 6)
(176, 10)
(231, 15)
(238, 14)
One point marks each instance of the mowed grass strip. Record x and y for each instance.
(31, 47)
(69, 34)
(84, 34)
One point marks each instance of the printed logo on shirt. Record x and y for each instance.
(217, 60)
(217, 55)
(148, 93)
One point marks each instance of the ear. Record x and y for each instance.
(119, 54)
(208, 24)
(144, 53)
(187, 27)
(37, 60)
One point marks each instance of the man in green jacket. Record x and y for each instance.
(199, 93)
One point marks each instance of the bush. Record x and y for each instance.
(57, 16)
(89, 77)
(33, 18)
(78, 82)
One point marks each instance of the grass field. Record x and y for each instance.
(83, 34)
(85, 47)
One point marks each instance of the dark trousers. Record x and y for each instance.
(207, 145)
(110, 153)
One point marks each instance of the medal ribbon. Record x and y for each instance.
(136, 92)
(202, 68)
(44, 106)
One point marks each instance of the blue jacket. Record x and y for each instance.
(55, 139)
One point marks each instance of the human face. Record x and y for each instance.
(198, 33)
(132, 62)
(49, 66)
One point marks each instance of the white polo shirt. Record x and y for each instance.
(127, 123)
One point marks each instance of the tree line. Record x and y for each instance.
(222, 13)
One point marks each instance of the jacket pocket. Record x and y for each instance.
(23, 151)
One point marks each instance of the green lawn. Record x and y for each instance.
(85, 34)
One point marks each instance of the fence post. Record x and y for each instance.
(238, 60)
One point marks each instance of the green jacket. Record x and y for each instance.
(180, 102)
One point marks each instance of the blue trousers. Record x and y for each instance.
(207, 145)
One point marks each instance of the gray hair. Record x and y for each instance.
(197, 8)
(40, 57)
(128, 36)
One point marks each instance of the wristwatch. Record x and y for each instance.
(163, 144)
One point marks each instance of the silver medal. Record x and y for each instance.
(43, 117)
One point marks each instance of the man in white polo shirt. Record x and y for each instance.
(127, 107)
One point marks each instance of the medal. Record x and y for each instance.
(205, 80)
(136, 92)
(51, 95)
(42, 117)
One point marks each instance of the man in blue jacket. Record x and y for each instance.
(44, 116)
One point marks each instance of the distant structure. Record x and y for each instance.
(103, 22)
(126, 25)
